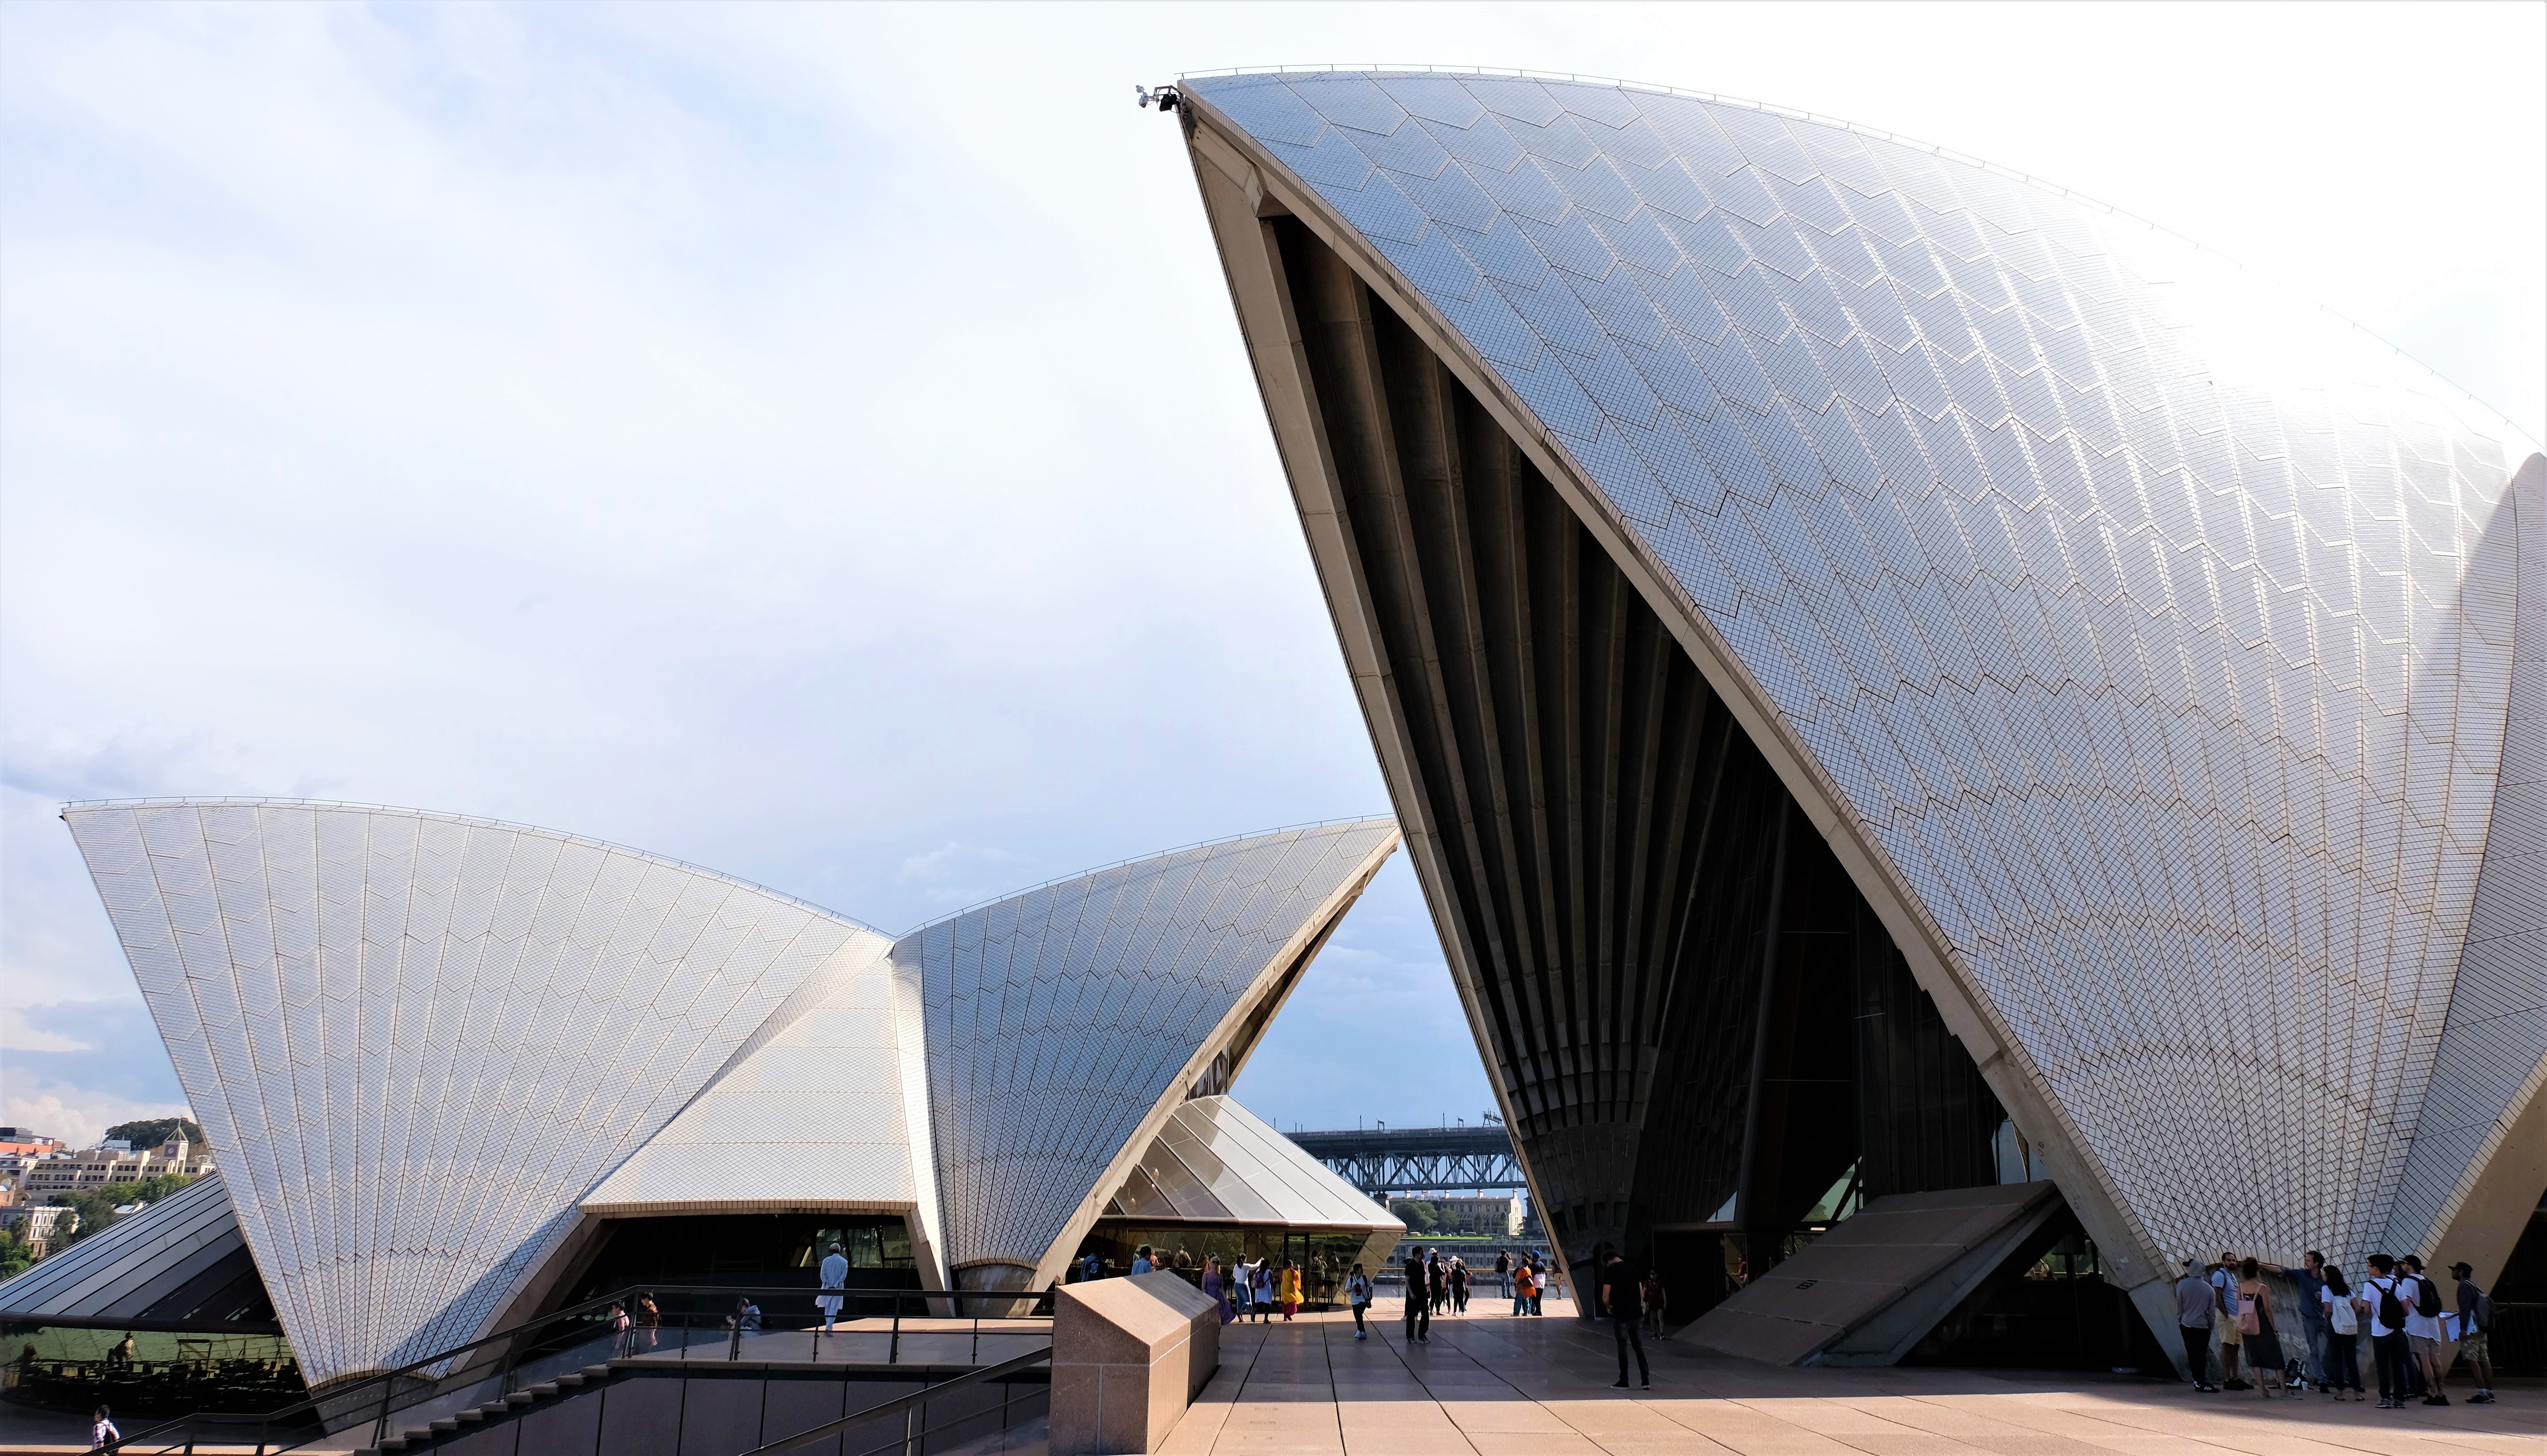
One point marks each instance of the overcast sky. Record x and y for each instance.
(814, 442)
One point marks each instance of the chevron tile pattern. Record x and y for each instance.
(2158, 630)
(1059, 1019)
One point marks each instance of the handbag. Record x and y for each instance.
(2247, 1323)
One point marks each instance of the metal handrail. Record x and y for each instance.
(386, 1381)
(901, 1405)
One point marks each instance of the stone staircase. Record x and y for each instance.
(519, 1402)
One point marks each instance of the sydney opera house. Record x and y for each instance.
(457, 1073)
(1866, 646)
(1878, 661)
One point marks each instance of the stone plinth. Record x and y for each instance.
(1128, 1355)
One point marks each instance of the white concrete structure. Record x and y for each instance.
(429, 1052)
(2160, 657)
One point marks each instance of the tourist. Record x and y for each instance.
(1242, 1289)
(2255, 1324)
(2196, 1301)
(1521, 1289)
(1437, 1270)
(1142, 1263)
(1260, 1282)
(1503, 1272)
(2475, 1323)
(1459, 1286)
(1290, 1289)
(1091, 1268)
(1656, 1301)
(1419, 1301)
(2226, 1308)
(2388, 1347)
(2342, 1363)
(2310, 1279)
(1541, 1273)
(1184, 1260)
(1357, 1296)
(2424, 1325)
(836, 1275)
(745, 1320)
(121, 1356)
(102, 1431)
(1215, 1288)
(650, 1317)
(1622, 1302)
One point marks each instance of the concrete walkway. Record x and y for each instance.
(1489, 1384)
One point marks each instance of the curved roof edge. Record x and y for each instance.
(1819, 119)
(483, 822)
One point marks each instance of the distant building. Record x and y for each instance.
(96, 1168)
(40, 1228)
(27, 1142)
(1489, 1217)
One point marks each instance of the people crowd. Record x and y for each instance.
(2225, 1313)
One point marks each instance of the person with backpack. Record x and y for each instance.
(2388, 1347)
(2424, 1325)
(2226, 1309)
(2476, 1320)
(2343, 1360)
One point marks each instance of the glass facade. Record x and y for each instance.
(1325, 1256)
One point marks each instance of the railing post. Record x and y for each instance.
(893, 1351)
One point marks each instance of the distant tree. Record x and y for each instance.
(1419, 1216)
(15, 1256)
(152, 1132)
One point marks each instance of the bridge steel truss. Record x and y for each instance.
(1420, 1159)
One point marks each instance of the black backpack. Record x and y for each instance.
(2430, 1303)
(2391, 1312)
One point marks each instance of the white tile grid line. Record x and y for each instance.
(1570, 411)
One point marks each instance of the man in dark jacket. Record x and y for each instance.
(1419, 1301)
(1622, 1302)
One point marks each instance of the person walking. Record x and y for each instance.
(2342, 1362)
(836, 1275)
(621, 1338)
(1418, 1302)
(1656, 1301)
(1215, 1288)
(2310, 1279)
(1622, 1302)
(1290, 1289)
(102, 1433)
(1142, 1263)
(1541, 1273)
(2255, 1323)
(1263, 1281)
(2196, 1301)
(1459, 1286)
(2423, 1327)
(1503, 1272)
(1437, 1268)
(1242, 1289)
(1358, 1297)
(2388, 1347)
(2475, 1323)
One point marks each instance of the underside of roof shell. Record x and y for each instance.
(2141, 640)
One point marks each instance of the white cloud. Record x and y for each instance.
(79, 1118)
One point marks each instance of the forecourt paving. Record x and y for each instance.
(1489, 1384)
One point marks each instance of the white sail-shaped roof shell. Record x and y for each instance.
(416, 1040)
(1066, 1023)
(427, 1050)
(2144, 638)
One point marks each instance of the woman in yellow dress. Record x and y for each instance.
(1290, 1289)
